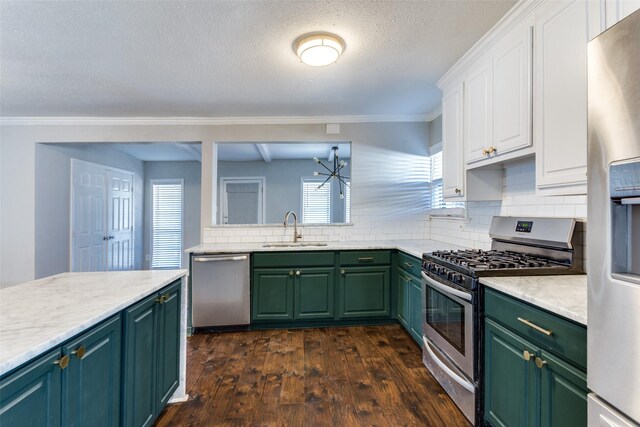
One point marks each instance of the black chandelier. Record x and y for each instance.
(338, 165)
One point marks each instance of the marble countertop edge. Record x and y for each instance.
(11, 359)
(565, 296)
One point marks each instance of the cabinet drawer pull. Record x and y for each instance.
(540, 363)
(63, 362)
(366, 259)
(536, 327)
(80, 352)
(408, 264)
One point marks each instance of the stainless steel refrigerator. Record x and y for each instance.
(613, 233)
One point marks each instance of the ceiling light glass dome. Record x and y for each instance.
(318, 50)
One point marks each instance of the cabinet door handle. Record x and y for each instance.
(458, 191)
(80, 352)
(343, 271)
(408, 264)
(290, 272)
(484, 152)
(540, 363)
(536, 327)
(297, 272)
(162, 299)
(366, 259)
(63, 362)
(526, 355)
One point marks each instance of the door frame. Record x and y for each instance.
(74, 162)
(262, 202)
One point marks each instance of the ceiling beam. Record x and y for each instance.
(189, 147)
(264, 152)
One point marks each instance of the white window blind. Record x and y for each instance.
(316, 202)
(347, 202)
(436, 190)
(166, 224)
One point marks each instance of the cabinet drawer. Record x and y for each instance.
(409, 264)
(567, 338)
(365, 257)
(293, 259)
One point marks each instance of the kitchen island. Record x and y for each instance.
(68, 332)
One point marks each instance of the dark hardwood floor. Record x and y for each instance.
(355, 376)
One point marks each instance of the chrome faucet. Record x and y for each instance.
(296, 235)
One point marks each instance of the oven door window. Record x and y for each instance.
(446, 316)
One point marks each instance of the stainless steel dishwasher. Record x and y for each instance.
(220, 290)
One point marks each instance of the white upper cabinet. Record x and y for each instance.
(452, 147)
(477, 110)
(512, 90)
(560, 97)
(617, 10)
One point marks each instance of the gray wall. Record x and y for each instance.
(435, 131)
(53, 200)
(190, 172)
(283, 184)
(387, 171)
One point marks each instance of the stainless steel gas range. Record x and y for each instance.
(451, 303)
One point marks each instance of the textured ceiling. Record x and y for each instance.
(230, 58)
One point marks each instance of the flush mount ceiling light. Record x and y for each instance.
(319, 49)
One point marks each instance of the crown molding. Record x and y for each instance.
(434, 114)
(206, 121)
(515, 15)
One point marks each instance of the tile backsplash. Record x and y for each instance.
(519, 199)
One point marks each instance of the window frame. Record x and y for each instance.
(452, 212)
(169, 181)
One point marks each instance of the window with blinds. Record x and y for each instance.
(316, 202)
(166, 223)
(437, 204)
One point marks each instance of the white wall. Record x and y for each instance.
(388, 182)
(53, 200)
(519, 199)
(190, 173)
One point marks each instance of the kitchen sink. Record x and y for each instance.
(293, 245)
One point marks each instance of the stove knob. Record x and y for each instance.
(457, 278)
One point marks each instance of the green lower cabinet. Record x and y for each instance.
(140, 363)
(510, 380)
(404, 285)
(168, 344)
(31, 396)
(272, 294)
(91, 383)
(313, 293)
(293, 294)
(364, 292)
(563, 393)
(529, 381)
(415, 300)
(151, 356)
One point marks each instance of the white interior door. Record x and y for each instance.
(120, 225)
(101, 218)
(242, 200)
(88, 219)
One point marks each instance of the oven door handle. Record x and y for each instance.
(446, 289)
(454, 376)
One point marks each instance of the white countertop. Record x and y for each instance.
(411, 247)
(563, 295)
(39, 315)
